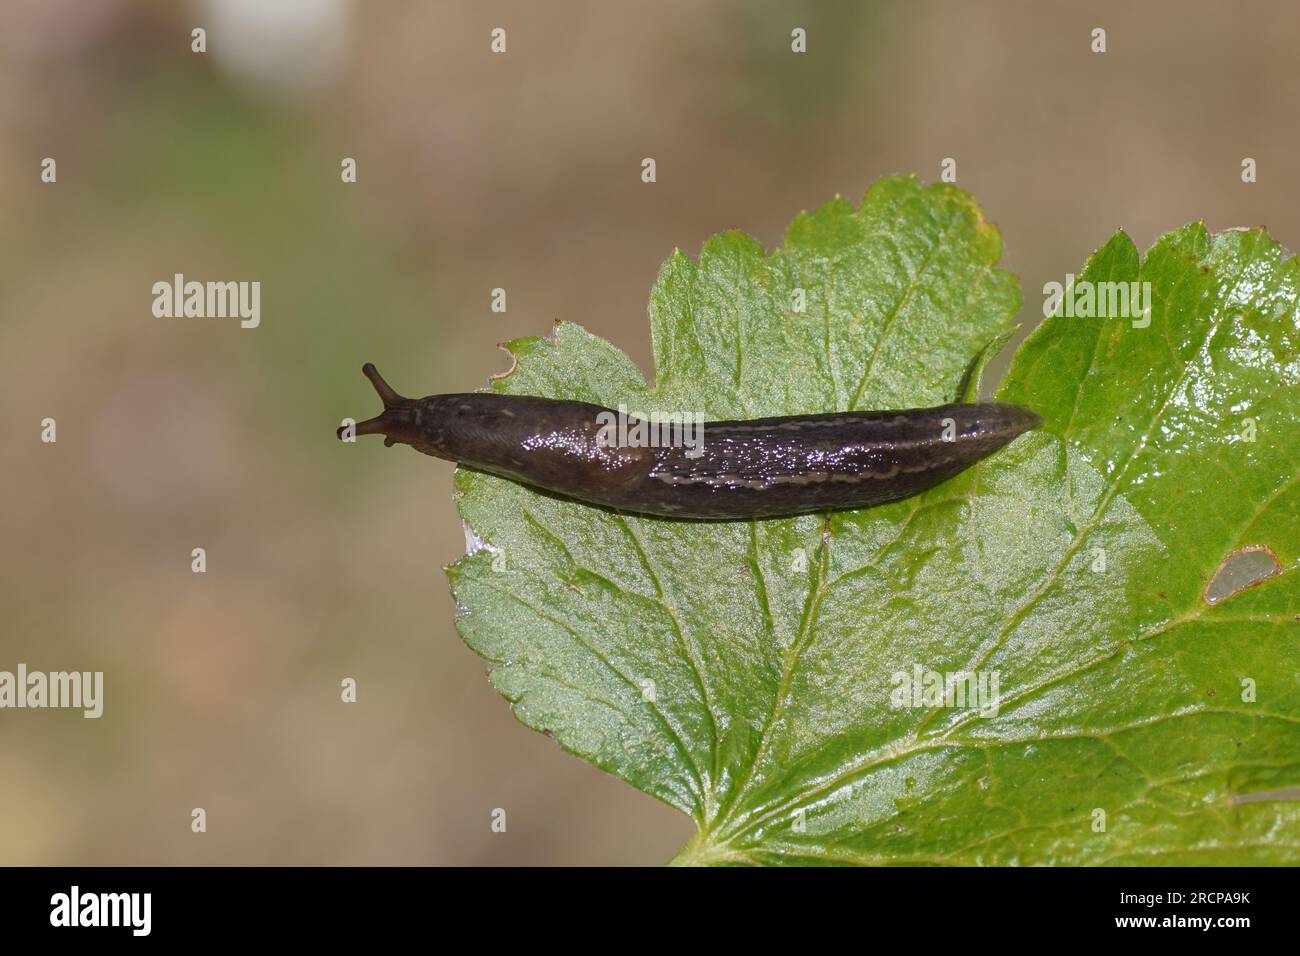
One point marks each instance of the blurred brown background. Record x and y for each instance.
(475, 171)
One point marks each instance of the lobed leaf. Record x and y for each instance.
(748, 673)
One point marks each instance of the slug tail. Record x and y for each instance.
(1018, 419)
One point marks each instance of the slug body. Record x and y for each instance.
(739, 469)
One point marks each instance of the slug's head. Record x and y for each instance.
(400, 419)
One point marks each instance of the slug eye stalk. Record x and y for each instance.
(397, 421)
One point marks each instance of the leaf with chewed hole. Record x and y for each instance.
(1018, 666)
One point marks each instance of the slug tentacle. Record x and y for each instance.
(397, 421)
(387, 395)
(726, 469)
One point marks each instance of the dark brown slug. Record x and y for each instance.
(732, 469)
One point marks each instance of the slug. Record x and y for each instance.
(761, 468)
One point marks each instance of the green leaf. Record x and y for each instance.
(746, 672)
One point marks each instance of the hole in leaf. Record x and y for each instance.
(1242, 569)
(514, 364)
